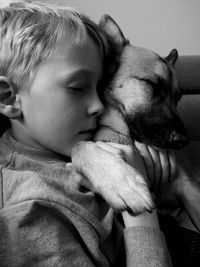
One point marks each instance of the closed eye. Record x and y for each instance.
(76, 89)
(159, 88)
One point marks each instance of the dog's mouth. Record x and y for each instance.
(161, 137)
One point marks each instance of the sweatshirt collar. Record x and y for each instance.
(13, 145)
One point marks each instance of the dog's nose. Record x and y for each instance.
(178, 140)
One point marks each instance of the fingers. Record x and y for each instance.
(164, 168)
(160, 166)
(164, 171)
(148, 161)
(157, 169)
(172, 164)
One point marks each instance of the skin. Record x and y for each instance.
(62, 105)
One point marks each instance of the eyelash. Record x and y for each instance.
(76, 89)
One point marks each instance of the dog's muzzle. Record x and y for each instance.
(166, 134)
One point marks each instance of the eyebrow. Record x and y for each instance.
(79, 72)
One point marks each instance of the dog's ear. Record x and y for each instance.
(112, 30)
(172, 57)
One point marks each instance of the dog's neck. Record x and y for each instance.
(113, 128)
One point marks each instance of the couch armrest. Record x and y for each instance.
(189, 110)
(188, 71)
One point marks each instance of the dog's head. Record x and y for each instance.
(142, 94)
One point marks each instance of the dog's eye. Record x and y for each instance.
(157, 89)
(161, 89)
(151, 84)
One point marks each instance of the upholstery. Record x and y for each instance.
(188, 71)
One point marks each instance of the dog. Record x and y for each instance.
(140, 102)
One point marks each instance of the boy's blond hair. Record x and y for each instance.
(29, 33)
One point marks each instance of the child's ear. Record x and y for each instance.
(9, 101)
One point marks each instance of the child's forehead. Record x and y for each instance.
(78, 42)
(84, 53)
(76, 60)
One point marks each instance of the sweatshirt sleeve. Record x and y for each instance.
(32, 234)
(146, 247)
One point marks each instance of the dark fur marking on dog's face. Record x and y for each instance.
(159, 126)
(147, 100)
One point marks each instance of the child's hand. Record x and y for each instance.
(173, 185)
(121, 185)
(160, 166)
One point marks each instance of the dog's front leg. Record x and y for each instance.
(120, 184)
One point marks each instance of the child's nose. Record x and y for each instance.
(95, 108)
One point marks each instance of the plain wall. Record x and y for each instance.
(159, 25)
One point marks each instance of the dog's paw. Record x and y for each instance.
(126, 192)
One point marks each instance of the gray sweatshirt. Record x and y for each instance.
(48, 218)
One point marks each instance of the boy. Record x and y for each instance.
(50, 65)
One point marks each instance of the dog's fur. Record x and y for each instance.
(141, 97)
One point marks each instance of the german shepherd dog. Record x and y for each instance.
(140, 101)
